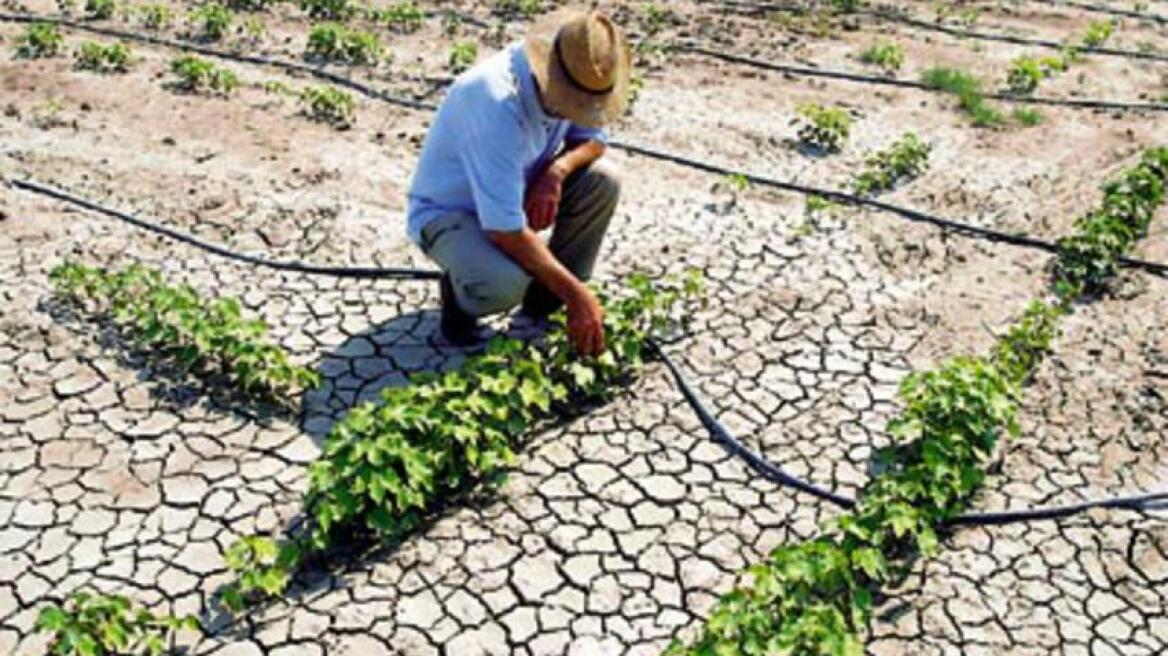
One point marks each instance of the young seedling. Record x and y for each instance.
(100, 9)
(91, 624)
(39, 40)
(112, 58)
(334, 42)
(636, 87)
(404, 16)
(885, 54)
(462, 56)
(524, 8)
(156, 16)
(213, 20)
(1028, 116)
(968, 91)
(655, 18)
(331, 9)
(1097, 34)
(197, 75)
(823, 128)
(905, 159)
(1026, 73)
(329, 105)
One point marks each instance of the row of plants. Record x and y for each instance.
(971, 99)
(1027, 72)
(203, 336)
(332, 41)
(388, 464)
(95, 624)
(815, 598)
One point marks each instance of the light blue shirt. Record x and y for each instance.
(489, 139)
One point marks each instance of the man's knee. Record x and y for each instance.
(607, 180)
(497, 290)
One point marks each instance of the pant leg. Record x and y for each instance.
(589, 200)
(485, 280)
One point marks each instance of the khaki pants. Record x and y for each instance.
(487, 281)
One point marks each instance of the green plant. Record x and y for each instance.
(636, 87)
(1026, 73)
(250, 5)
(814, 205)
(387, 464)
(826, 128)
(905, 159)
(197, 75)
(462, 56)
(403, 16)
(329, 105)
(845, 6)
(156, 16)
(279, 88)
(213, 18)
(1028, 116)
(736, 182)
(202, 336)
(96, 625)
(885, 54)
(525, 8)
(333, 9)
(968, 91)
(95, 56)
(39, 40)
(1089, 257)
(100, 9)
(1097, 34)
(654, 18)
(333, 41)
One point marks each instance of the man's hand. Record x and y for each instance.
(543, 198)
(585, 323)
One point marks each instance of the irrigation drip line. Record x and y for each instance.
(1104, 9)
(223, 251)
(755, 8)
(793, 69)
(1142, 503)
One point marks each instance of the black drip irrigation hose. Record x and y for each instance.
(748, 8)
(222, 251)
(1104, 9)
(990, 234)
(793, 69)
(1141, 503)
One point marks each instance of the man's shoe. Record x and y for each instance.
(458, 327)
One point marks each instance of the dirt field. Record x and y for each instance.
(618, 531)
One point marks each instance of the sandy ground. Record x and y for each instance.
(616, 531)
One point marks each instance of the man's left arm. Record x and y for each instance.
(543, 197)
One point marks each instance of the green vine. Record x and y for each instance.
(96, 625)
(814, 598)
(387, 464)
(202, 336)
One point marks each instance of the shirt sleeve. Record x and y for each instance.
(578, 133)
(492, 157)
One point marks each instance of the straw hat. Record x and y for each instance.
(581, 61)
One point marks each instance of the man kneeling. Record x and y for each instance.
(514, 150)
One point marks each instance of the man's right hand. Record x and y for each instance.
(585, 323)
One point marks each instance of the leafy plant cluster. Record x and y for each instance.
(329, 105)
(1090, 256)
(331, 9)
(387, 464)
(654, 19)
(905, 159)
(96, 625)
(103, 58)
(967, 88)
(888, 55)
(198, 75)
(200, 335)
(39, 40)
(1026, 73)
(213, 20)
(100, 9)
(462, 56)
(825, 128)
(404, 16)
(814, 597)
(1098, 32)
(155, 16)
(524, 8)
(334, 42)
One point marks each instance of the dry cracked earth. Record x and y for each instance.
(618, 530)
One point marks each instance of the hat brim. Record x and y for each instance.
(558, 92)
